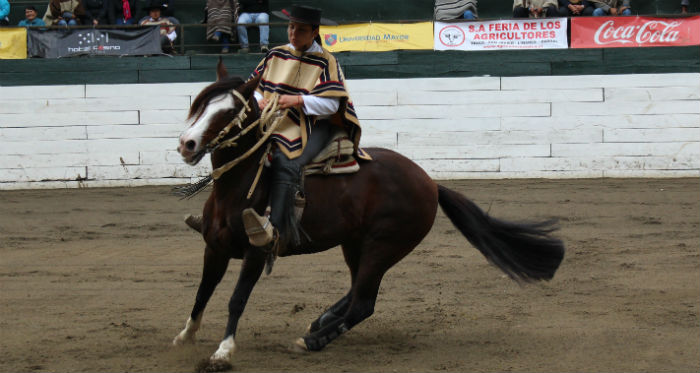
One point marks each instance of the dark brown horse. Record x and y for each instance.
(377, 215)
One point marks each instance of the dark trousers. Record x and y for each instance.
(566, 12)
(522, 12)
(287, 178)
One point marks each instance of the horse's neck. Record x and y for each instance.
(238, 179)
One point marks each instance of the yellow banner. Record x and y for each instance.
(13, 43)
(377, 37)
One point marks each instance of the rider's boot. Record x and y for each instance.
(279, 225)
(194, 222)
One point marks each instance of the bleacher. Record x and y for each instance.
(190, 13)
(197, 59)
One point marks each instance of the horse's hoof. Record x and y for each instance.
(183, 339)
(308, 329)
(299, 346)
(213, 365)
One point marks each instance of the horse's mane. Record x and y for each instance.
(213, 90)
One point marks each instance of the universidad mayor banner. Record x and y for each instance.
(13, 43)
(375, 37)
(615, 32)
(531, 33)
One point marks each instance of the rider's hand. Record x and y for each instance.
(287, 101)
(262, 103)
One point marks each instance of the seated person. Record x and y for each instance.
(535, 8)
(446, 10)
(167, 29)
(574, 8)
(254, 11)
(220, 15)
(4, 13)
(684, 6)
(121, 12)
(30, 18)
(95, 12)
(611, 8)
(64, 12)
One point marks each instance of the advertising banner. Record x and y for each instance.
(102, 42)
(615, 32)
(376, 37)
(13, 43)
(532, 33)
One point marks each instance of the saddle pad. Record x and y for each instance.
(336, 158)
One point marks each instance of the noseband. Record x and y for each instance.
(269, 115)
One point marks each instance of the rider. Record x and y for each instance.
(310, 83)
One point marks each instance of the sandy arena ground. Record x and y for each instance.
(103, 279)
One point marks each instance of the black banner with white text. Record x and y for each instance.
(98, 42)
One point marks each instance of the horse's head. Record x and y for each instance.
(212, 111)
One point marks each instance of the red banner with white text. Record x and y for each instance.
(616, 32)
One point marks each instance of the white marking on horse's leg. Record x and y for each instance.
(187, 334)
(225, 352)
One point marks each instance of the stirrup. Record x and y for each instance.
(258, 228)
(194, 222)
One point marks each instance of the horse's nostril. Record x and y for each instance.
(190, 145)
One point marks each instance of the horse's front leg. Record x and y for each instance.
(215, 265)
(251, 269)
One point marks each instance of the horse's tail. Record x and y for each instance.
(524, 251)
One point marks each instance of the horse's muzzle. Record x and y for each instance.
(188, 150)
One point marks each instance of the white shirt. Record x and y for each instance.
(318, 106)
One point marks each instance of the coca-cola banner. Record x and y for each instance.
(532, 33)
(615, 32)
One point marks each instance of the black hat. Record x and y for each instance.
(154, 4)
(304, 14)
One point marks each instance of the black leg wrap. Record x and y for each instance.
(335, 312)
(318, 340)
(325, 319)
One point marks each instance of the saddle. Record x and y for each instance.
(336, 158)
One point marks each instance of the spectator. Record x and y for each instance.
(574, 8)
(612, 8)
(684, 6)
(168, 10)
(64, 12)
(220, 14)
(446, 10)
(96, 12)
(121, 12)
(254, 11)
(4, 13)
(167, 28)
(535, 8)
(30, 18)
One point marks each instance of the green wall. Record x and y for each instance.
(397, 64)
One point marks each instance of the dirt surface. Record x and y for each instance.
(103, 279)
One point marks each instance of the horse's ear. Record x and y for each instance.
(249, 87)
(221, 72)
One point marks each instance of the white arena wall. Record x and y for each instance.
(643, 125)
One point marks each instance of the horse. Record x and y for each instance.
(377, 215)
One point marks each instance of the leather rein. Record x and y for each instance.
(268, 115)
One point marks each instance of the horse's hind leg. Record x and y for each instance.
(214, 269)
(339, 309)
(371, 268)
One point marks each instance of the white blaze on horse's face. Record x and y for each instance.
(192, 145)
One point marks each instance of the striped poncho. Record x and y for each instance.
(287, 71)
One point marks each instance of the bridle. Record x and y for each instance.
(269, 115)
